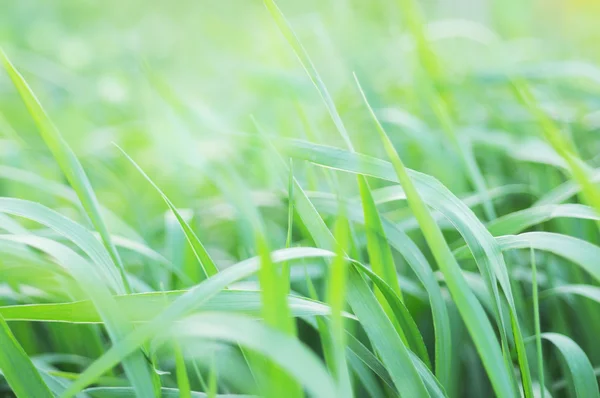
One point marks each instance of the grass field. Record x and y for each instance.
(321, 199)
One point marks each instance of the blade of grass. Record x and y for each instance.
(336, 293)
(136, 365)
(287, 352)
(582, 373)
(68, 163)
(473, 315)
(183, 383)
(17, 368)
(185, 304)
(536, 320)
(564, 147)
(518, 221)
(204, 259)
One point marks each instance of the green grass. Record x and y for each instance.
(299, 199)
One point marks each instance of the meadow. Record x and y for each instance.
(299, 199)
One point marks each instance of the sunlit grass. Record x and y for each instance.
(294, 199)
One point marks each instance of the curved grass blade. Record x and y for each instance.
(518, 221)
(287, 352)
(143, 307)
(71, 230)
(381, 332)
(475, 319)
(18, 370)
(440, 198)
(581, 252)
(408, 328)
(68, 163)
(582, 373)
(418, 263)
(61, 191)
(208, 266)
(126, 392)
(563, 146)
(587, 291)
(135, 365)
(565, 191)
(185, 304)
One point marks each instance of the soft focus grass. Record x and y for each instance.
(324, 199)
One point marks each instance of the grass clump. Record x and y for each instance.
(221, 207)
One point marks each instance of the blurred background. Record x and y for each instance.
(178, 85)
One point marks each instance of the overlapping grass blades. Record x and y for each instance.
(67, 161)
(17, 368)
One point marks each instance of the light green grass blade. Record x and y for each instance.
(143, 307)
(17, 368)
(183, 383)
(580, 252)
(436, 196)
(336, 297)
(136, 366)
(185, 304)
(126, 392)
(536, 325)
(388, 341)
(208, 266)
(287, 352)
(276, 314)
(380, 254)
(518, 221)
(564, 147)
(471, 311)
(71, 230)
(287, 32)
(418, 263)
(68, 163)
(408, 330)
(381, 332)
(582, 373)
(587, 291)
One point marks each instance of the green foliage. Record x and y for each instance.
(208, 204)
